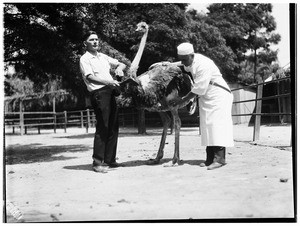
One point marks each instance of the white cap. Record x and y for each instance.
(185, 49)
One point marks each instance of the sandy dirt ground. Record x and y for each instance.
(49, 178)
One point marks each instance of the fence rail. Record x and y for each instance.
(81, 118)
(258, 104)
(86, 118)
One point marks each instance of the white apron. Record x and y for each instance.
(215, 103)
(215, 117)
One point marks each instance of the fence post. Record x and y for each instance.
(21, 118)
(92, 120)
(258, 104)
(66, 121)
(54, 114)
(54, 121)
(81, 119)
(88, 120)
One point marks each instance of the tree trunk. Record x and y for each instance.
(141, 121)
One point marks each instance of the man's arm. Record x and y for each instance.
(181, 101)
(165, 63)
(99, 81)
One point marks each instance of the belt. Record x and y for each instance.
(104, 88)
(216, 84)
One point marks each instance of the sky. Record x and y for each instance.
(281, 14)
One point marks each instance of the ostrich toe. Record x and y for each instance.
(170, 164)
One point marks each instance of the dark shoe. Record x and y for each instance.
(115, 165)
(100, 168)
(209, 157)
(215, 165)
(206, 163)
(219, 157)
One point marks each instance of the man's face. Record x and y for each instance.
(92, 43)
(186, 60)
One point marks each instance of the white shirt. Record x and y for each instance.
(98, 66)
(204, 70)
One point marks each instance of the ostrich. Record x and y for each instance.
(154, 89)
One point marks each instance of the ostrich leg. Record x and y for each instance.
(166, 120)
(177, 124)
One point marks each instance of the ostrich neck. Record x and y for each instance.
(135, 63)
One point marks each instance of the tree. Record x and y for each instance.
(167, 26)
(208, 40)
(41, 42)
(246, 27)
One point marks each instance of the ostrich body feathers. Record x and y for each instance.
(154, 88)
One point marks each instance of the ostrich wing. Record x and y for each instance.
(158, 83)
(181, 83)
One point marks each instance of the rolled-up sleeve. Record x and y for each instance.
(85, 67)
(112, 61)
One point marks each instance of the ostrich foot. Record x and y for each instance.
(172, 163)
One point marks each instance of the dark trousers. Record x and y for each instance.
(107, 126)
(215, 154)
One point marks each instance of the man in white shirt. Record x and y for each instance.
(215, 103)
(95, 69)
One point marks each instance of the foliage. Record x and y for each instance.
(166, 26)
(246, 27)
(43, 41)
(208, 40)
(14, 85)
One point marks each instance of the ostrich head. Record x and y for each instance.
(141, 27)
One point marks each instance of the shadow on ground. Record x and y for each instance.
(130, 133)
(87, 167)
(121, 134)
(24, 154)
(134, 163)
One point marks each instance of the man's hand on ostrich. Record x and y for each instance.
(114, 84)
(119, 72)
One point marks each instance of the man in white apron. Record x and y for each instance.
(215, 102)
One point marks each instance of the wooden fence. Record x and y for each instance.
(258, 104)
(57, 120)
(127, 117)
